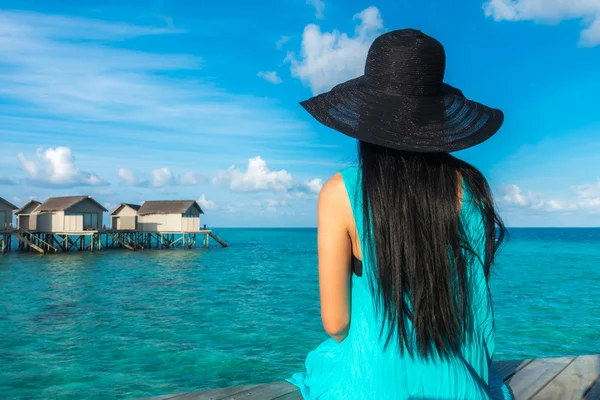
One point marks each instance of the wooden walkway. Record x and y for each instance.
(542, 379)
(98, 240)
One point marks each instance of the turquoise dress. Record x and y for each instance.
(359, 369)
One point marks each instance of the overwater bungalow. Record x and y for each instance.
(70, 214)
(62, 224)
(26, 219)
(124, 217)
(169, 216)
(6, 214)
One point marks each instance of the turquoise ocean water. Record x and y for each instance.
(123, 325)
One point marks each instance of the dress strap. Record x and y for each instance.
(352, 181)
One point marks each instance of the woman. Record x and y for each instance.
(403, 281)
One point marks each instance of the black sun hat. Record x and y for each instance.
(402, 102)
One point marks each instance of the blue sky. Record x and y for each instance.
(138, 100)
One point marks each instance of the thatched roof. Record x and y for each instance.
(132, 206)
(63, 203)
(20, 210)
(8, 203)
(168, 207)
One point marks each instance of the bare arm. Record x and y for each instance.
(335, 251)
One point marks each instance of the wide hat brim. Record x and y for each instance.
(446, 122)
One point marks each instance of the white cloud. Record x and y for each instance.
(277, 203)
(271, 77)
(56, 166)
(81, 70)
(29, 166)
(329, 58)
(274, 205)
(127, 176)
(270, 205)
(257, 206)
(512, 195)
(63, 27)
(299, 196)
(235, 208)
(558, 205)
(588, 195)
(589, 191)
(206, 204)
(593, 204)
(583, 198)
(281, 42)
(314, 185)
(550, 11)
(257, 177)
(319, 6)
(192, 179)
(162, 177)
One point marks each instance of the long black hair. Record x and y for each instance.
(422, 250)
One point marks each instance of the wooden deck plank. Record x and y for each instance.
(165, 397)
(551, 378)
(218, 394)
(535, 376)
(291, 396)
(574, 381)
(269, 391)
(506, 369)
(594, 393)
(215, 394)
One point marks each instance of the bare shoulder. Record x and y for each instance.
(334, 203)
(333, 189)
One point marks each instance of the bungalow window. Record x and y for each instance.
(90, 220)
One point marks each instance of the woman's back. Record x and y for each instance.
(418, 321)
(363, 367)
